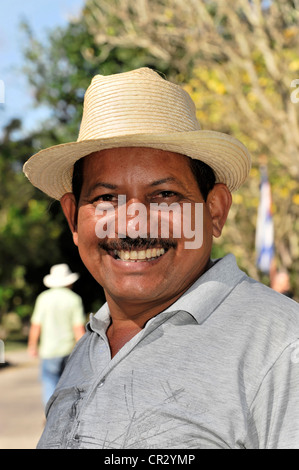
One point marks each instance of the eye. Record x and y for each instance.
(166, 195)
(104, 198)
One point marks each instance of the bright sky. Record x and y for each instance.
(42, 16)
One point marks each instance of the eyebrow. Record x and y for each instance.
(170, 179)
(102, 184)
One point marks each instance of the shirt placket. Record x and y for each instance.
(99, 382)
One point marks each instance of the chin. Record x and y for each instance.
(132, 294)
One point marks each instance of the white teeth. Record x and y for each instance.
(141, 255)
(124, 255)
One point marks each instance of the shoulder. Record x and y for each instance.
(269, 321)
(253, 301)
(44, 295)
(70, 295)
(255, 317)
(265, 302)
(79, 368)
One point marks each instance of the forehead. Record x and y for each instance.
(133, 162)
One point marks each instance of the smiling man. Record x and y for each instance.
(139, 287)
(187, 352)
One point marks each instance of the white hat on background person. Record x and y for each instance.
(60, 276)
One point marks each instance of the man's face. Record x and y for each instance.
(149, 177)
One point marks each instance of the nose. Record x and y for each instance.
(132, 218)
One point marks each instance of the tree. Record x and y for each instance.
(59, 72)
(238, 61)
(28, 234)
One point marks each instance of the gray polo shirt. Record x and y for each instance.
(217, 369)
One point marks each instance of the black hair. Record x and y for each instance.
(77, 181)
(204, 175)
(202, 172)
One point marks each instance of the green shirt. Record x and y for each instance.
(57, 311)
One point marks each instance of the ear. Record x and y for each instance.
(70, 210)
(219, 201)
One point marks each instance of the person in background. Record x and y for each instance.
(281, 283)
(280, 280)
(57, 324)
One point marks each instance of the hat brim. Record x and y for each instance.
(51, 169)
(54, 281)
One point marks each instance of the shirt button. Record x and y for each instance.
(101, 383)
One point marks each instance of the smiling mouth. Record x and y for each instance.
(139, 255)
(137, 249)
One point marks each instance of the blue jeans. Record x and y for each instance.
(51, 370)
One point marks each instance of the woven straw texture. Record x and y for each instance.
(138, 109)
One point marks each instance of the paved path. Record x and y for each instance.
(21, 410)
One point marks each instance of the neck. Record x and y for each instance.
(128, 319)
(126, 313)
(129, 316)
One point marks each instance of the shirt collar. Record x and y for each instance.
(200, 300)
(210, 289)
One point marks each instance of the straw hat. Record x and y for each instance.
(60, 276)
(138, 109)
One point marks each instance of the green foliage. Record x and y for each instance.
(33, 232)
(61, 70)
(224, 58)
(28, 235)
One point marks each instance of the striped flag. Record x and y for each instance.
(264, 239)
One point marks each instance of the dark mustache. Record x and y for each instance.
(129, 244)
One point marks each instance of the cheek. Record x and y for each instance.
(86, 233)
